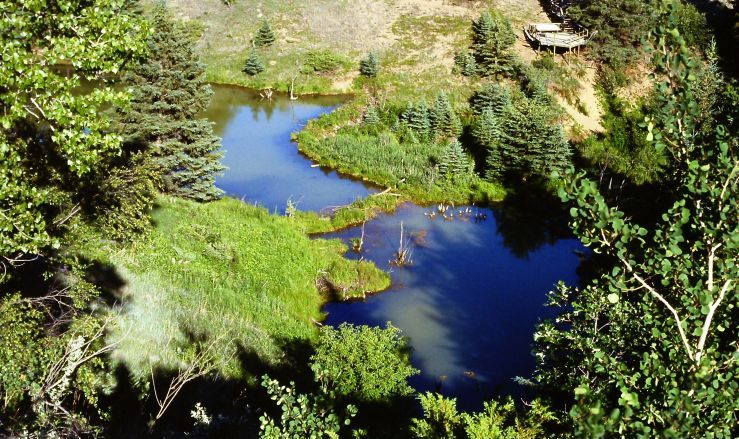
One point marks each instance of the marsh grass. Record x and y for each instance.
(408, 167)
(208, 269)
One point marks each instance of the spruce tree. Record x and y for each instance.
(371, 117)
(264, 36)
(253, 65)
(492, 37)
(531, 143)
(493, 97)
(454, 162)
(464, 63)
(488, 133)
(416, 117)
(444, 122)
(168, 92)
(369, 66)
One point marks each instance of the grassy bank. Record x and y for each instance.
(227, 267)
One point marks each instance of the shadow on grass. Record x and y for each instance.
(235, 404)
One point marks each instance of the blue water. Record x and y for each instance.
(264, 166)
(476, 288)
(468, 302)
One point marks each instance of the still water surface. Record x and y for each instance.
(476, 287)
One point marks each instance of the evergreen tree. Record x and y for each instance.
(264, 36)
(369, 66)
(454, 162)
(493, 97)
(416, 117)
(464, 63)
(169, 90)
(444, 122)
(371, 117)
(492, 37)
(488, 134)
(531, 142)
(253, 65)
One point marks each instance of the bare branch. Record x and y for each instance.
(664, 301)
(709, 318)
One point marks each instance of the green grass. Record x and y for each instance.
(228, 267)
(338, 140)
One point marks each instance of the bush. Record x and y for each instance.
(496, 421)
(324, 61)
(365, 362)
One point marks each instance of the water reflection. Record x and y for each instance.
(475, 291)
(264, 165)
(468, 303)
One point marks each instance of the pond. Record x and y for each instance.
(264, 166)
(477, 284)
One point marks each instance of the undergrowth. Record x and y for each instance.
(228, 268)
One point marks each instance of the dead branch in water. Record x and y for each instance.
(403, 255)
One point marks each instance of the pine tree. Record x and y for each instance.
(531, 143)
(169, 90)
(253, 65)
(464, 63)
(264, 36)
(416, 117)
(454, 162)
(371, 117)
(369, 66)
(444, 122)
(493, 97)
(492, 37)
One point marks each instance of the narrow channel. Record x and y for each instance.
(477, 284)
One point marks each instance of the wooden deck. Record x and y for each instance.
(556, 36)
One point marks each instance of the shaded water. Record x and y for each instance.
(476, 288)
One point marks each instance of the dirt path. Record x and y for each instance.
(521, 12)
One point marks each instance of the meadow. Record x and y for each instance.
(227, 268)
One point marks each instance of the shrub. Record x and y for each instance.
(324, 61)
(365, 362)
(496, 421)
(464, 63)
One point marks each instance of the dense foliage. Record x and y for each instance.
(648, 347)
(52, 142)
(169, 90)
(61, 169)
(365, 362)
(519, 135)
(441, 420)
